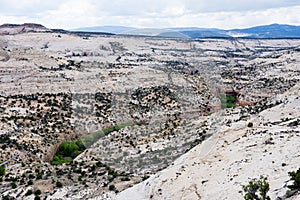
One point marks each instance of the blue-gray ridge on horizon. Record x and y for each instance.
(262, 32)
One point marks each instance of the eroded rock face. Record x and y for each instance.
(161, 104)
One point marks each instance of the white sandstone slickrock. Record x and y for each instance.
(218, 167)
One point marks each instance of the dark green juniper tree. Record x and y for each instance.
(295, 186)
(257, 189)
(295, 177)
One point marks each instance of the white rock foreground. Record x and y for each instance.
(218, 167)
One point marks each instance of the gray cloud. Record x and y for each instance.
(238, 5)
(138, 7)
(27, 7)
(150, 13)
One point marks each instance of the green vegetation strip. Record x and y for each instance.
(68, 150)
(227, 101)
(2, 170)
(89, 140)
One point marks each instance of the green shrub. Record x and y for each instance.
(7, 197)
(30, 182)
(113, 172)
(257, 189)
(37, 192)
(250, 124)
(112, 187)
(37, 198)
(68, 149)
(13, 185)
(126, 178)
(295, 177)
(227, 101)
(31, 176)
(29, 192)
(39, 176)
(59, 184)
(2, 170)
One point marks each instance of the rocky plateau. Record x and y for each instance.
(150, 113)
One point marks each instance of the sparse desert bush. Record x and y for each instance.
(295, 177)
(112, 187)
(30, 182)
(37, 198)
(295, 186)
(7, 197)
(2, 170)
(59, 184)
(29, 192)
(37, 192)
(227, 101)
(39, 176)
(126, 178)
(250, 124)
(257, 189)
(13, 185)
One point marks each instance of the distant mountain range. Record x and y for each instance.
(262, 32)
(105, 29)
(266, 31)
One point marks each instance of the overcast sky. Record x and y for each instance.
(226, 14)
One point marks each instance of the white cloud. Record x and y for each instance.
(245, 19)
(205, 6)
(27, 7)
(71, 13)
(150, 13)
(14, 19)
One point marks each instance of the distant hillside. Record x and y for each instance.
(266, 31)
(105, 29)
(9, 29)
(205, 33)
(271, 31)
